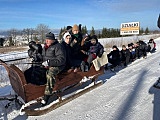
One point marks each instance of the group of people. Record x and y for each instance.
(131, 53)
(76, 51)
(73, 53)
(81, 49)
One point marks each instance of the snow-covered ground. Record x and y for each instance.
(127, 94)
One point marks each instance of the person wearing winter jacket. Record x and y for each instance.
(151, 46)
(136, 46)
(114, 56)
(125, 55)
(132, 51)
(54, 60)
(142, 49)
(76, 40)
(94, 49)
(69, 58)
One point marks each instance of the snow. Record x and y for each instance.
(127, 94)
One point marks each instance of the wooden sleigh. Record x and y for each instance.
(64, 81)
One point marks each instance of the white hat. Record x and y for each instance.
(65, 35)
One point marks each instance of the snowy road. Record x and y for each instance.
(126, 95)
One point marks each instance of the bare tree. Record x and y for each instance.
(31, 33)
(42, 30)
(28, 34)
(12, 33)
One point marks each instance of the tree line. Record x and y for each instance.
(39, 32)
(104, 32)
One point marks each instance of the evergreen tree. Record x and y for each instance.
(84, 30)
(146, 31)
(104, 33)
(99, 34)
(141, 31)
(92, 31)
(60, 34)
(118, 33)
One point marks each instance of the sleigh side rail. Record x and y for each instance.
(16, 79)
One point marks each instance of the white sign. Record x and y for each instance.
(130, 28)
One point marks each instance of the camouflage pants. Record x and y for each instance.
(50, 75)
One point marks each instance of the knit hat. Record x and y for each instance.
(85, 35)
(75, 27)
(114, 46)
(132, 44)
(129, 45)
(65, 35)
(50, 36)
(69, 27)
(94, 37)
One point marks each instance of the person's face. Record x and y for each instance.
(114, 48)
(75, 32)
(68, 39)
(136, 45)
(49, 42)
(133, 45)
(124, 48)
(93, 41)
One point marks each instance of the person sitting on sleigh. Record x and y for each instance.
(94, 49)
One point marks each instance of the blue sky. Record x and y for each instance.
(21, 14)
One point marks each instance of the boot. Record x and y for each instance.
(45, 100)
(82, 66)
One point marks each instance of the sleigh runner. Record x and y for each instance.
(65, 84)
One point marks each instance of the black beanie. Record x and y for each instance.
(129, 45)
(114, 46)
(69, 27)
(50, 36)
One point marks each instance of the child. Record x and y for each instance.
(95, 49)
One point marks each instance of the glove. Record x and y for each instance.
(94, 55)
(45, 64)
(87, 53)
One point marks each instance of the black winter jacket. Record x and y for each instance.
(115, 55)
(76, 47)
(69, 56)
(125, 53)
(97, 48)
(55, 54)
